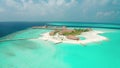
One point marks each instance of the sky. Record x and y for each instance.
(60, 10)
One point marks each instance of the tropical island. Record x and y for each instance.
(67, 35)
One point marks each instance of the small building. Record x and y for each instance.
(52, 33)
(72, 37)
(65, 30)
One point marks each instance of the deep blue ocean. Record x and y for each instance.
(11, 27)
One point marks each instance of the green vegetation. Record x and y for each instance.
(67, 32)
(75, 32)
(56, 31)
(82, 30)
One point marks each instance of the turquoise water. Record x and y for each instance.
(82, 38)
(77, 24)
(44, 54)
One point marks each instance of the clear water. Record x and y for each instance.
(44, 54)
(82, 38)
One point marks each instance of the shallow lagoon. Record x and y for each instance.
(44, 54)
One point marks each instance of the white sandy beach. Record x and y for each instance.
(91, 36)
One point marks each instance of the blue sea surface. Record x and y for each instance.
(11, 27)
(36, 53)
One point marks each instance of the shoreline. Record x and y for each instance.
(90, 37)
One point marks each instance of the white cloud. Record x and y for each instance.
(12, 3)
(107, 13)
(40, 8)
(87, 5)
(60, 9)
(53, 6)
